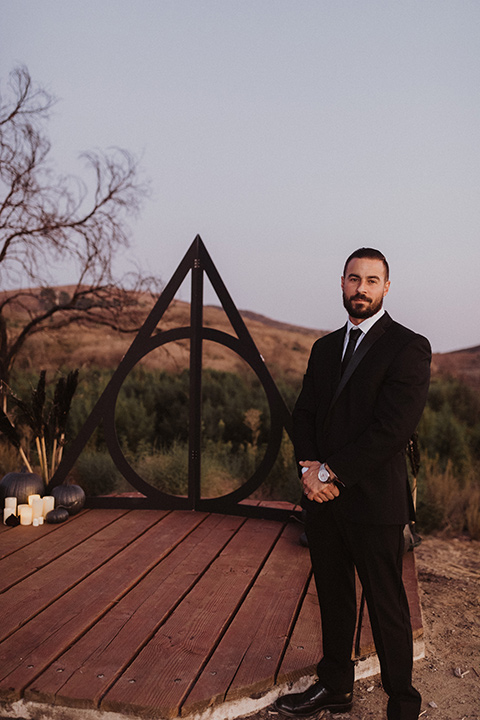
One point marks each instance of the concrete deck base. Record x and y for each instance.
(25, 710)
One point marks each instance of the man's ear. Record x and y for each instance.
(386, 288)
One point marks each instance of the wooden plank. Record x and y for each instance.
(247, 658)
(25, 654)
(179, 650)
(36, 592)
(70, 626)
(15, 538)
(281, 505)
(42, 550)
(285, 589)
(305, 647)
(82, 675)
(304, 650)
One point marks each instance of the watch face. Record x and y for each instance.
(323, 475)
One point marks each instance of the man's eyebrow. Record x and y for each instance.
(369, 277)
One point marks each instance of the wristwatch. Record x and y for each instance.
(323, 474)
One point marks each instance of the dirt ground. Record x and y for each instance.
(449, 675)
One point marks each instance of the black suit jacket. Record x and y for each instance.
(360, 424)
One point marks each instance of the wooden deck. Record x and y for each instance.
(157, 614)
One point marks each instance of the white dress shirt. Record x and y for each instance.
(364, 326)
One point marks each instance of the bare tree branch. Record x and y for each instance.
(47, 220)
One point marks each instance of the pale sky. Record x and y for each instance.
(286, 133)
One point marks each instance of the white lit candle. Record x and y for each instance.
(31, 499)
(48, 504)
(26, 515)
(6, 513)
(37, 507)
(11, 502)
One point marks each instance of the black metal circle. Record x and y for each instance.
(276, 425)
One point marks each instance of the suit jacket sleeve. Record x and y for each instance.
(319, 384)
(304, 419)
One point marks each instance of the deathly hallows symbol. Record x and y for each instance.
(198, 262)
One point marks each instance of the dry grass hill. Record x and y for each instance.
(284, 347)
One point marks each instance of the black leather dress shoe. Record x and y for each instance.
(316, 698)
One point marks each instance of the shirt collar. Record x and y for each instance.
(367, 324)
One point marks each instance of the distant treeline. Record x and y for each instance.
(152, 420)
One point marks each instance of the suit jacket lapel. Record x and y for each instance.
(370, 338)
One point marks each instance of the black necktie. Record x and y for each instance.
(352, 341)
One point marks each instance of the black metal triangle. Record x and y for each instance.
(197, 261)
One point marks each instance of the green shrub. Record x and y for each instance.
(97, 474)
(152, 423)
(282, 483)
(448, 501)
(167, 470)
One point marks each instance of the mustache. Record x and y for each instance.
(358, 296)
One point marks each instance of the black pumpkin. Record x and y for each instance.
(71, 497)
(20, 485)
(57, 515)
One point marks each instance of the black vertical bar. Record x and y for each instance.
(196, 324)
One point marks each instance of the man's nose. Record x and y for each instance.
(362, 287)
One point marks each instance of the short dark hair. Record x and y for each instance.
(370, 253)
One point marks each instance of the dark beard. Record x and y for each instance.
(370, 309)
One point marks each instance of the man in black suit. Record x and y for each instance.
(362, 397)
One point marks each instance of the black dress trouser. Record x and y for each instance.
(337, 547)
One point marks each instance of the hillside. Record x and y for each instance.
(463, 364)
(284, 347)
